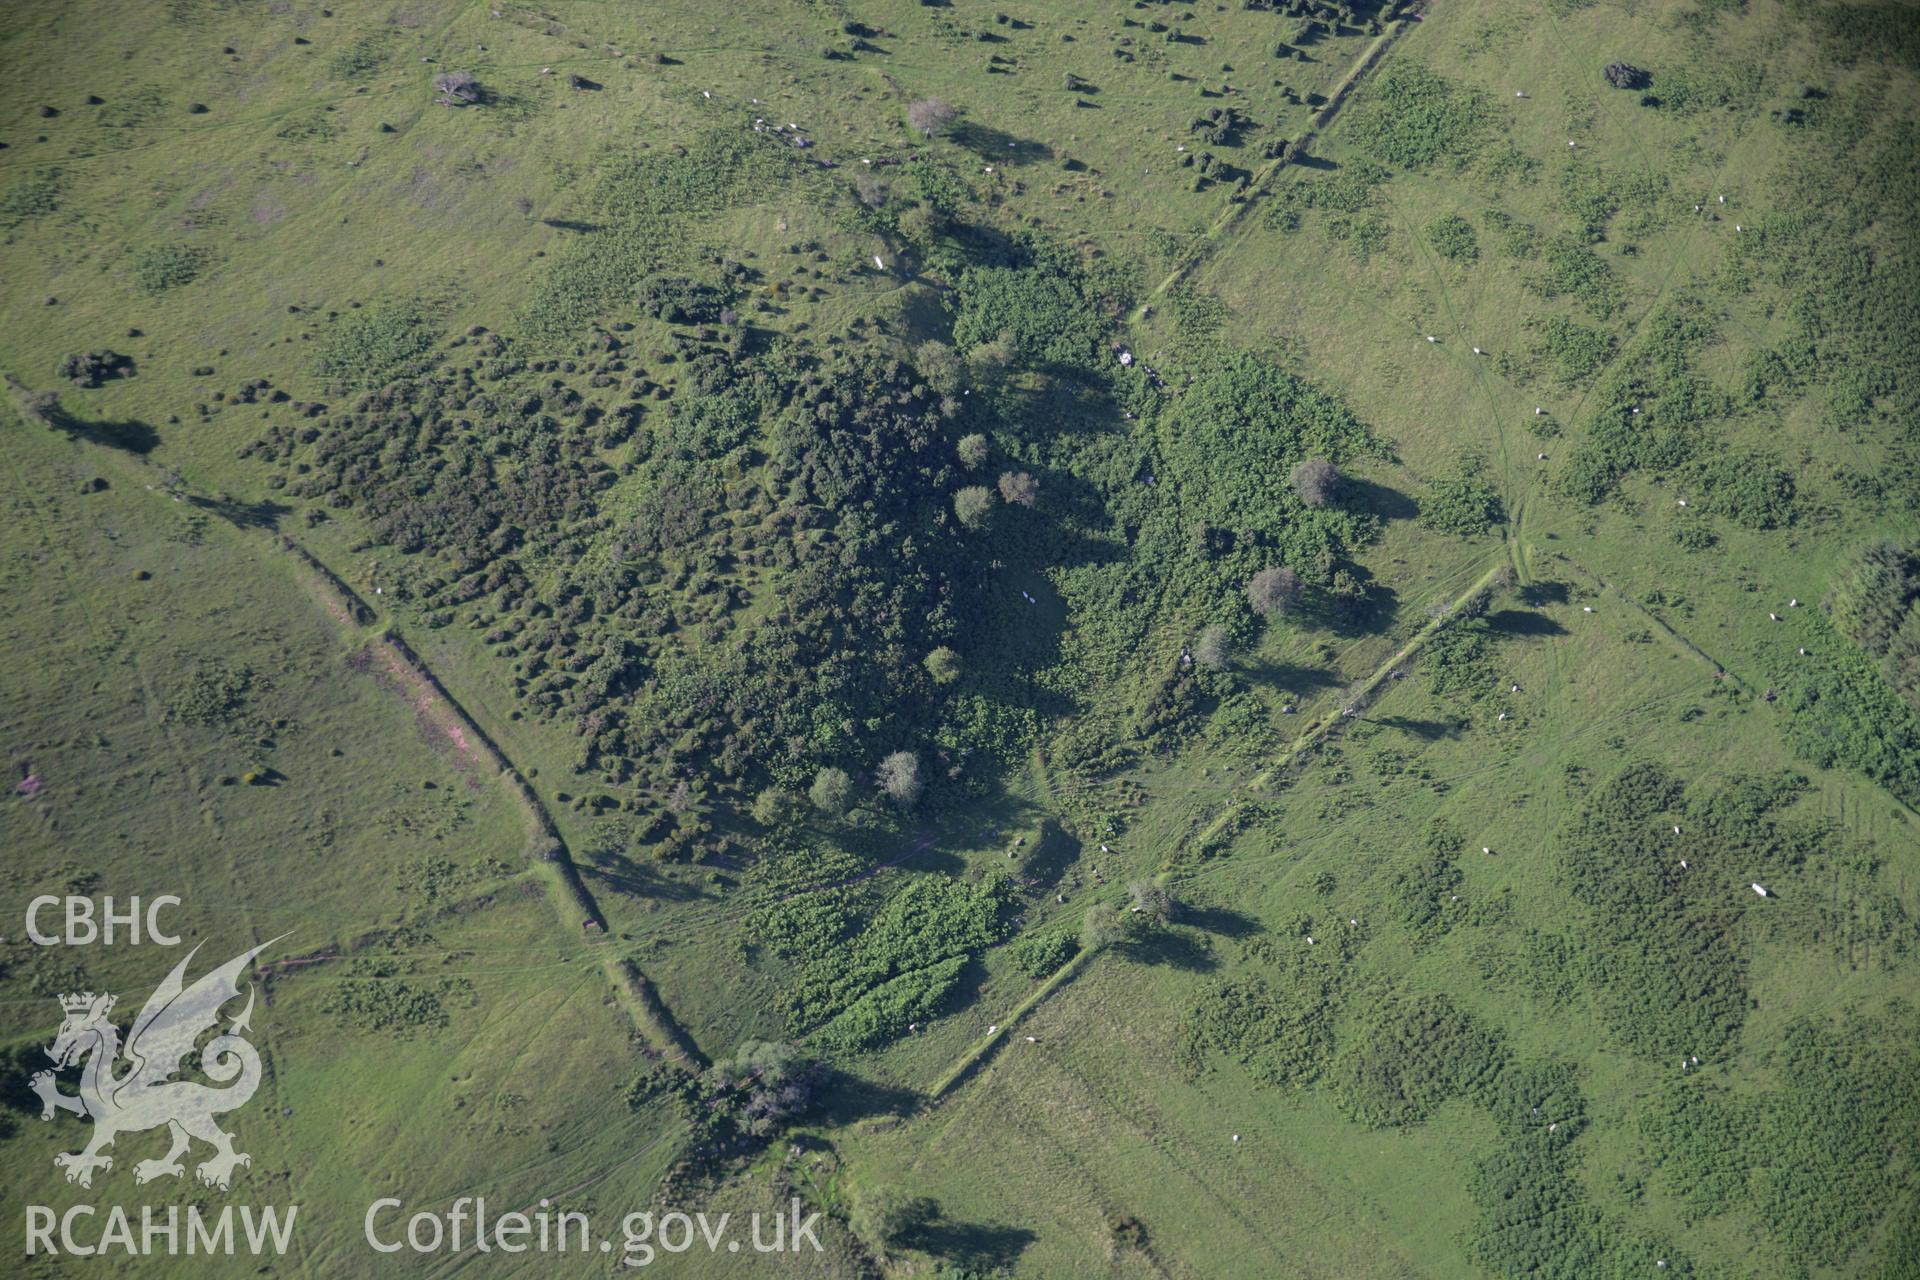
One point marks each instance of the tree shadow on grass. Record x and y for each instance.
(1224, 921)
(980, 1246)
(1288, 677)
(264, 514)
(1543, 593)
(1379, 499)
(1524, 622)
(1428, 730)
(623, 874)
(996, 146)
(130, 436)
(1174, 948)
(1052, 855)
(847, 1098)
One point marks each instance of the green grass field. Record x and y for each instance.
(736, 531)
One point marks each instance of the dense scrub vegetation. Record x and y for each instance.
(1875, 602)
(1413, 117)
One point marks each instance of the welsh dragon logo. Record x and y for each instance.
(144, 1095)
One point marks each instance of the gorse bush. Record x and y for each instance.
(1412, 118)
(370, 347)
(1462, 501)
(1843, 711)
(1240, 430)
(1039, 954)
(34, 196)
(1652, 406)
(1575, 352)
(1043, 313)
(1571, 268)
(1452, 236)
(1875, 602)
(1748, 486)
(901, 963)
(168, 266)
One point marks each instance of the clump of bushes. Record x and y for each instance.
(457, 89)
(88, 369)
(1412, 118)
(1463, 501)
(374, 345)
(1452, 236)
(1624, 75)
(168, 266)
(1039, 954)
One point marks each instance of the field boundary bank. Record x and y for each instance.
(1323, 119)
(1234, 809)
(572, 902)
(546, 850)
